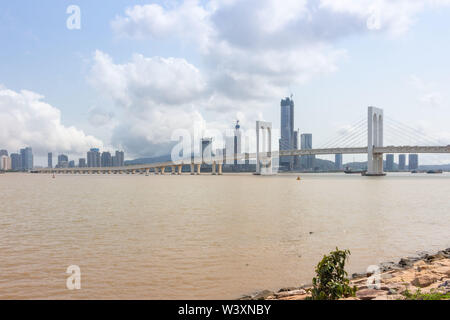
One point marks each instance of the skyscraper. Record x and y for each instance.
(27, 158)
(206, 148)
(63, 161)
(389, 162)
(16, 161)
(82, 163)
(3, 153)
(5, 163)
(71, 164)
(106, 159)
(287, 131)
(338, 161)
(307, 162)
(413, 162)
(402, 162)
(50, 160)
(93, 158)
(120, 158)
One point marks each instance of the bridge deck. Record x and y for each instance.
(244, 156)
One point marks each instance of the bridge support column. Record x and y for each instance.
(199, 168)
(220, 169)
(264, 157)
(180, 169)
(213, 171)
(163, 170)
(374, 140)
(147, 171)
(192, 169)
(174, 169)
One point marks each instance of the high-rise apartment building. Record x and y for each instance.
(106, 159)
(413, 162)
(93, 158)
(16, 161)
(389, 162)
(206, 148)
(27, 158)
(402, 162)
(338, 161)
(50, 160)
(120, 159)
(82, 163)
(307, 162)
(5, 163)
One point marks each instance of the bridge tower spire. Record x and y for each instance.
(374, 140)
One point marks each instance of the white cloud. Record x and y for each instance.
(28, 121)
(428, 94)
(251, 52)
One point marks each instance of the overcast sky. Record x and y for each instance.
(138, 70)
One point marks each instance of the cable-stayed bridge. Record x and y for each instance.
(366, 136)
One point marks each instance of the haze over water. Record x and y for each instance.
(206, 237)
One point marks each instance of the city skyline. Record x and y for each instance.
(327, 75)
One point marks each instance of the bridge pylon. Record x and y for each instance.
(263, 156)
(374, 140)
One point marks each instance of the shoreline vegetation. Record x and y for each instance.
(422, 277)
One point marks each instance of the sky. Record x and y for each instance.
(136, 71)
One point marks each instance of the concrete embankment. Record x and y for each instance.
(427, 273)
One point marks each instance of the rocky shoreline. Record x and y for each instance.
(426, 272)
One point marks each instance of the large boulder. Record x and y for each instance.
(423, 280)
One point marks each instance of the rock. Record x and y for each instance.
(424, 280)
(369, 294)
(386, 276)
(288, 289)
(358, 275)
(445, 284)
(444, 288)
(387, 266)
(290, 293)
(392, 291)
(434, 257)
(245, 298)
(262, 295)
(443, 271)
(390, 297)
(405, 262)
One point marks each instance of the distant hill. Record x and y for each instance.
(164, 158)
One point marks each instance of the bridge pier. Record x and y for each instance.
(199, 169)
(263, 164)
(213, 171)
(220, 169)
(374, 140)
(163, 170)
(180, 169)
(192, 169)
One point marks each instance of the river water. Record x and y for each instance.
(206, 237)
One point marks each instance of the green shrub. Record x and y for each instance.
(331, 282)
(433, 295)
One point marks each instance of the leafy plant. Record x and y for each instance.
(331, 282)
(426, 296)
